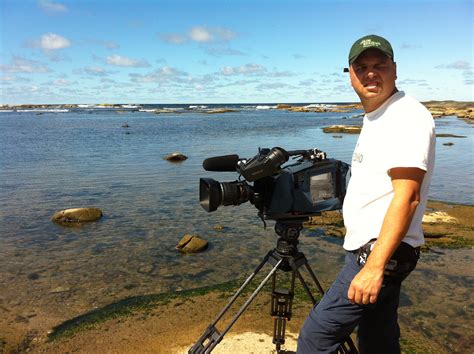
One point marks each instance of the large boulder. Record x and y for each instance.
(175, 157)
(77, 215)
(191, 244)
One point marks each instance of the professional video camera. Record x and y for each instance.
(307, 185)
(289, 192)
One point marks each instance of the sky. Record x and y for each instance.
(138, 51)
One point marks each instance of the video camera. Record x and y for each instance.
(305, 186)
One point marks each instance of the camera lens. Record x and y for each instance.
(212, 194)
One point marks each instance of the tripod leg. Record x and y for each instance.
(241, 289)
(305, 286)
(282, 301)
(211, 337)
(313, 276)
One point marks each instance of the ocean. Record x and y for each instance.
(58, 159)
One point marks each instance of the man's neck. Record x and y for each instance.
(371, 105)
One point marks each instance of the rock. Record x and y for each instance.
(448, 144)
(299, 109)
(463, 110)
(77, 215)
(21, 319)
(125, 125)
(33, 276)
(439, 217)
(175, 157)
(59, 290)
(283, 106)
(348, 129)
(220, 110)
(165, 110)
(450, 136)
(146, 269)
(191, 244)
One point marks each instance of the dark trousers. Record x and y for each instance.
(335, 317)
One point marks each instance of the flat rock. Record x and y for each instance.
(348, 129)
(220, 110)
(438, 217)
(450, 136)
(77, 215)
(191, 244)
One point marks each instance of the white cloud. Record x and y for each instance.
(200, 34)
(93, 71)
(218, 50)
(52, 7)
(164, 74)
(105, 44)
(410, 46)
(224, 34)
(61, 82)
(272, 86)
(23, 65)
(7, 78)
(119, 60)
(247, 69)
(52, 41)
(459, 65)
(174, 38)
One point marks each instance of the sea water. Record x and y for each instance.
(54, 160)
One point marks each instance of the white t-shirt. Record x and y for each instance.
(400, 133)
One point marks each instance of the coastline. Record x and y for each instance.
(463, 110)
(171, 322)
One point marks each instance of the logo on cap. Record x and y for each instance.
(369, 43)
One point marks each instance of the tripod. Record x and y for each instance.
(286, 258)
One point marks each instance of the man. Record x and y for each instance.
(386, 198)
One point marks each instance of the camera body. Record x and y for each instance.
(283, 188)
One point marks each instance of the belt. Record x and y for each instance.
(402, 262)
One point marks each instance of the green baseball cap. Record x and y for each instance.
(371, 41)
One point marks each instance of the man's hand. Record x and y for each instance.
(365, 286)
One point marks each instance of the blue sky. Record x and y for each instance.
(124, 51)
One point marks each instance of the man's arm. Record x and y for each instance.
(406, 182)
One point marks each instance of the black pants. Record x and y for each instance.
(335, 317)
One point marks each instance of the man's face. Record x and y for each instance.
(373, 77)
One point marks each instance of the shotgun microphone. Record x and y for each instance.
(225, 163)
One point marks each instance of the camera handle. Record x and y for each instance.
(285, 257)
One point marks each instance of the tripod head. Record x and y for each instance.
(288, 232)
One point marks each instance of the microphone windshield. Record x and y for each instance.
(226, 163)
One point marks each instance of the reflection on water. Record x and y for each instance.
(57, 161)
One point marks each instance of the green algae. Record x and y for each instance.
(129, 306)
(142, 304)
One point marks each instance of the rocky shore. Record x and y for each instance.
(150, 321)
(463, 110)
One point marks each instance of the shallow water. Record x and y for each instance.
(55, 161)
